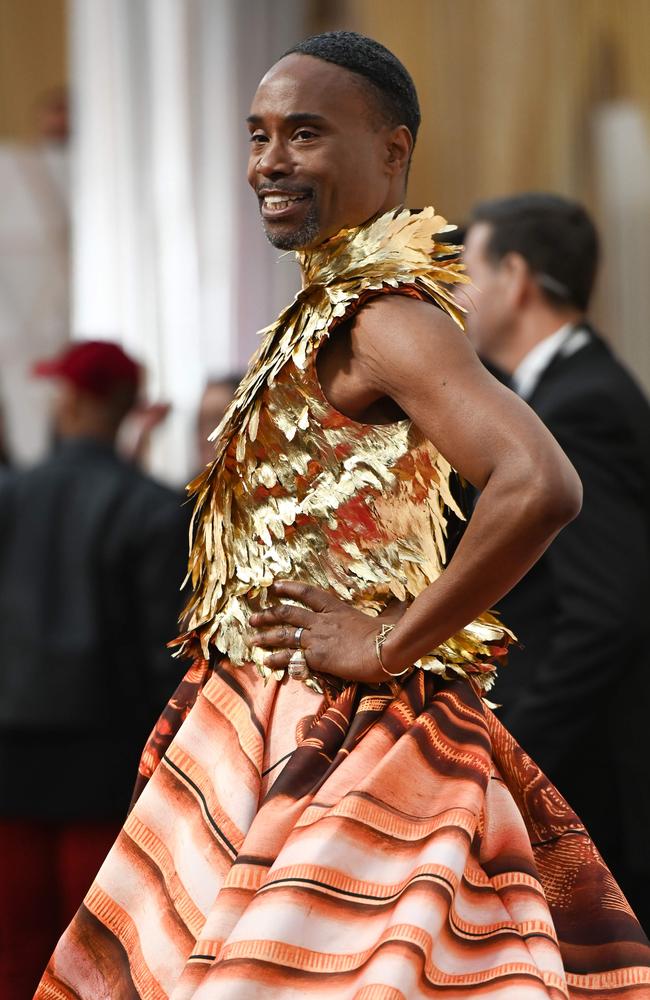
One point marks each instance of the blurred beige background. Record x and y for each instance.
(507, 86)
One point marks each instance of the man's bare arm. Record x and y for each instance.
(412, 353)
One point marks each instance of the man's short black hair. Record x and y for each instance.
(389, 82)
(554, 235)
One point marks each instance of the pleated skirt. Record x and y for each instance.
(391, 843)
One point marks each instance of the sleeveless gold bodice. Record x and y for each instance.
(299, 491)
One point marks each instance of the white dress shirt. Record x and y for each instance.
(566, 341)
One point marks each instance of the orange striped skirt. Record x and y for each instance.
(385, 845)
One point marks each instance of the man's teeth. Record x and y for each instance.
(281, 200)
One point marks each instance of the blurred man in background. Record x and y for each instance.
(215, 400)
(577, 692)
(92, 554)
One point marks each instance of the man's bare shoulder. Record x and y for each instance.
(407, 332)
(397, 303)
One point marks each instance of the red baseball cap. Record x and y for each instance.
(96, 366)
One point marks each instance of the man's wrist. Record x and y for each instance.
(387, 648)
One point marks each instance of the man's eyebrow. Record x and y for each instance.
(296, 116)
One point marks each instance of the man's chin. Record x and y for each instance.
(301, 238)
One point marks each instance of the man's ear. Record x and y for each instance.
(399, 147)
(517, 273)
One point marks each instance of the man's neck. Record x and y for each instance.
(393, 206)
(530, 329)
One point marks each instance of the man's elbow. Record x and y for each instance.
(569, 498)
(557, 495)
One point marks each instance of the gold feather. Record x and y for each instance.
(298, 491)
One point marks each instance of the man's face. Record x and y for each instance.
(490, 299)
(318, 156)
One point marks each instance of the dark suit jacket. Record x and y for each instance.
(577, 694)
(92, 555)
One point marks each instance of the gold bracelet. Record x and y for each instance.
(380, 639)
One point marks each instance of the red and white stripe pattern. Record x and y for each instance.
(375, 848)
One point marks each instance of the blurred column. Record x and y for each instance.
(169, 256)
(622, 170)
(34, 287)
(34, 216)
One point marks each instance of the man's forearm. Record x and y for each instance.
(512, 525)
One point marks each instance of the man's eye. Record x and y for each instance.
(257, 137)
(305, 133)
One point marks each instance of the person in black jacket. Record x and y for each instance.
(92, 555)
(576, 694)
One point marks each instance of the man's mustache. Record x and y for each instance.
(282, 189)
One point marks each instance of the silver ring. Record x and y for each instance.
(297, 636)
(298, 668)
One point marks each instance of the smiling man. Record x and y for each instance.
(340, 814)
(304, 130)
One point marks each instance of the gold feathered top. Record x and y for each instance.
(299, 491)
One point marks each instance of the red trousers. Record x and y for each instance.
(45, 871)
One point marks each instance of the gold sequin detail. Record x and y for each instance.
(298, 491)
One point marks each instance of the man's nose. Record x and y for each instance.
(274, 161)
